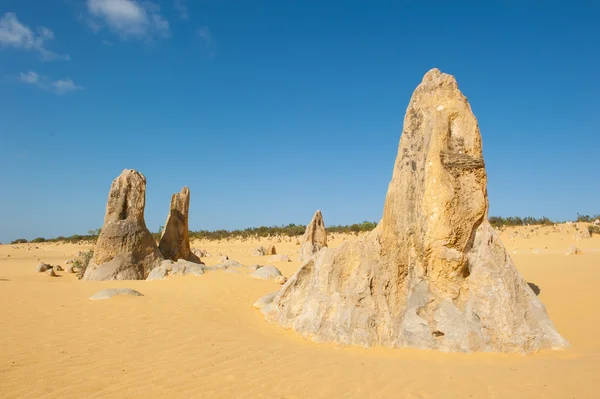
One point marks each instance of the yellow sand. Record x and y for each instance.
(199, 337)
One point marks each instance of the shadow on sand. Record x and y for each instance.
(536, 290)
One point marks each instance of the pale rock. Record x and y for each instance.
(50, 272)
(266, 272)
(42, 267)
(433, 274)
(175, 241)
(112, 292)
(125, 249)
(315, 238)
(280, 258)
(573, 250)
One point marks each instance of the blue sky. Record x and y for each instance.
(269, 110)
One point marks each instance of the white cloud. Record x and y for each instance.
(181, 7)
(29, 77)
(128, 18)
(204, 34)
(14, 34)
(60, 86)
(65, 85)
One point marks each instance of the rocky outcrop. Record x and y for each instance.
(315, 238)
(266, 273)
(175, 241)
(125, 249)
(434, 273)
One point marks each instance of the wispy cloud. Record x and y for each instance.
(60, 86)
(128, 18)
(181, 7)
(207, 39)
(15, 34)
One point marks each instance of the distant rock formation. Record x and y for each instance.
(315, 238)
(125, 249)
(434, 273)
(175, 240)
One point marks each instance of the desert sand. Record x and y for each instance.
(199, 337)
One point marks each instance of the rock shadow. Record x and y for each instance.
(534, 287)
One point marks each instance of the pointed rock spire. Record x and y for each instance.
(174, 241)
(315, 237)
(433, 274)
(125, 249)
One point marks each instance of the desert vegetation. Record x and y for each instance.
(295, 230)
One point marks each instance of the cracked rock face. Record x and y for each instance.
(315, 237)
(433, 274)
(125, 249)
(175, 241)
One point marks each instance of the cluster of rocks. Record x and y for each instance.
(125, 249)
(433, 273)
(265, 251)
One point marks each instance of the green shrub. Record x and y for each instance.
(38, 240)
(83, 260)
(594, 229)
(19, 241)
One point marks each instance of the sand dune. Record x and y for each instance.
(198, 337)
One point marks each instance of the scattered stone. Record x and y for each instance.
(260, 251)
(111, 292)
(175, 241)
(200, 253)
(125, 249)
(279, 258)
(266, 272)
(69, 261)
(69, 269)
(50, 272)
(573, 250)
(182, 267)
(315, 238)
(281, 280)
(42, 267)
(232, 264)
(270, 249)
(223, 258)
(58, 268)
(434, 273)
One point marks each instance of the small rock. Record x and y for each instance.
(58, 268)
(69, 269)
(223, 258)
(573, 250)
(281, 280)
(279, 258)
(42, 267)
(232, 264)
(110, 292)
(50, 272)
(254, 267)
(266, 272)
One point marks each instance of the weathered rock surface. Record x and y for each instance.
(58, 268)
(266, 272)
(168, 268)
(315, 237)
(42, 267)
(175, 240)
(582, 232)
(111, 292)
(50, 272)
(433, 274)
(125, 249)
